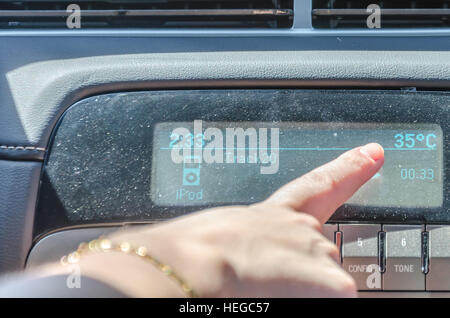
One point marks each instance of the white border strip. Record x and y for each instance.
(223, 32)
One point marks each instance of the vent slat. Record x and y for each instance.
(399, 12)
(149, 14)
(333, 14)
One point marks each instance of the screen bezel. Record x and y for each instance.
(137, 112)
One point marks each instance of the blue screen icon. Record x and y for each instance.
(191, 171)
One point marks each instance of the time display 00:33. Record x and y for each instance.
(417, 174)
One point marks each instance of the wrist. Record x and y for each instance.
(129, 274)
(192, 258)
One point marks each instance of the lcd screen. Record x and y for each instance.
(209, 163)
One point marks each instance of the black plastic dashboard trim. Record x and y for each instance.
(93, 112)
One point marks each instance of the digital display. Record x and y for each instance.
(209, 163)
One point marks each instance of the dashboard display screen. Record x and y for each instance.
(208, 163)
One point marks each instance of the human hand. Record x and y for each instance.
(271, 249)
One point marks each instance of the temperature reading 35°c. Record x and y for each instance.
(410, 140)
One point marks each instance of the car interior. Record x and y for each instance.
(92, 94)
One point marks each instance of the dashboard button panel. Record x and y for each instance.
(403, 258)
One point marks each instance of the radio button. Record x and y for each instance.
(403, 258)
(360, 254)
(438, 277)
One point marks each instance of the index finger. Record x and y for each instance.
(321, 191)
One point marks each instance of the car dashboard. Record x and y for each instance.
(90, 119)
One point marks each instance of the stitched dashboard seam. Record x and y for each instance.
(20, 148)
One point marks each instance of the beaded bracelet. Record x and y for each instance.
(105, 245)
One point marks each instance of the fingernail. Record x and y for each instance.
(373, 150)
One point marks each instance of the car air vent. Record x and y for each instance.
(332, 14)
(149, 14)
